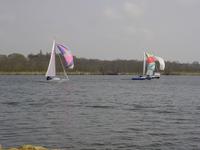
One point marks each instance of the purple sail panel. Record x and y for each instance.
(67, 55)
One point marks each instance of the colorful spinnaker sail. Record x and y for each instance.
(151, 63)
(67, 55)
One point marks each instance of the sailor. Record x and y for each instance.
(49, 78)
(148, 77)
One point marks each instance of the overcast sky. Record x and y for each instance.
(104, 29)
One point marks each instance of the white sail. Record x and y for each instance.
(51, 71)
(161, 62)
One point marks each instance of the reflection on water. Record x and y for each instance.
(100, 112)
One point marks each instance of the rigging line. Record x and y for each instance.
(156, 68)
(63, 67)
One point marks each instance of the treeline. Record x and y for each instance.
(39, 62)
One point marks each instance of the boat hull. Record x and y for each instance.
(145, 78)
(139, 78)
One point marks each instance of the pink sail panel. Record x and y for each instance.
(150, 58)
(67, 55)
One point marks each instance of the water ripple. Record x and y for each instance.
(100, 112)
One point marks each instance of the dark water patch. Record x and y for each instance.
(155, 145)
(11, 103)
(160, 134)
(101, 106)
(134, 129)
(119, 131)
(193, 139)
(198, 107)
(37, 104)
(164, 111)
(74, 105)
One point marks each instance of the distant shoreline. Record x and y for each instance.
(37, 64)
(97, 73)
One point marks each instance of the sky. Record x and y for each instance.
(103, 29)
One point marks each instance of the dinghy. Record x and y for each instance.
(68, 58)
(150, 68)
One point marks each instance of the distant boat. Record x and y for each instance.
(68, 57)
(150, 68)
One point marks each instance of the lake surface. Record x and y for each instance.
(100, 112)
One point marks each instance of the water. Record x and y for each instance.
(100, 112)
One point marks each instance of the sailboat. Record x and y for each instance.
(150, 68)
(68, 57)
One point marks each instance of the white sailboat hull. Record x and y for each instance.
(156, 75)
(58, 80)
(55, 79)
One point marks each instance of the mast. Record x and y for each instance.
(144, 64)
